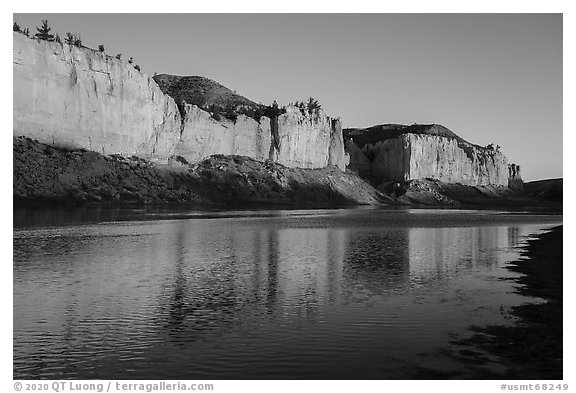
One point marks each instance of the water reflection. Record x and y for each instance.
(446, 251)
(377, 261)
(243, 297)
(513, 236)
(178, 305)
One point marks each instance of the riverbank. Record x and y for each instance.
(44, 174)
(533, 347)
(47, 175)
(432, 192)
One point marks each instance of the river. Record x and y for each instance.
(263, 294)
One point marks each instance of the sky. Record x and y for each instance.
(490, 78)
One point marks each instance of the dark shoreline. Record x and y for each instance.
(533, 347)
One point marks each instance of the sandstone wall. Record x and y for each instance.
(390, 159)
(420, 156)
(359, 162)
(203, 136)
(514, 177)
(308, 140)
(444, 159)
(336, 152)
(78, 97)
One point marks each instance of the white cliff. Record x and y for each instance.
(78, 97)
(203, 136)
(443, 159)
(307, 140)
(411, 156)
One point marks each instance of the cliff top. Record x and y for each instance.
(200, 91)
(374, 134)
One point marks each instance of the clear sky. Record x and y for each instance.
(491, 78)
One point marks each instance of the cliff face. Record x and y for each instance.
(202, 136)
(410, 156)
(80, 98)
(445, 160)
(307, 140)
(292, 139)
(514, 177)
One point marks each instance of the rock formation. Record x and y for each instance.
(307, 140)
(514, 177)
(77, 97)
(402, 153)
(203, 136)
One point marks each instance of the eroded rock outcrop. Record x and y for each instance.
(514, 177)
(294, 139)
(307, 140)
(76, 97)
(203, 136)
(404, 153)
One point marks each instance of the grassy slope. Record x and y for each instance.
(193, 89)
(550, 189)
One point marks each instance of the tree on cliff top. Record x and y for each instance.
(273, 110)
(70, 38)
(313, 105)
(16, 27)
(44, 31)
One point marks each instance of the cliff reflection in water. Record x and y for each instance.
(443, 252)
(227, 278)
(299, 270)
(237, 298)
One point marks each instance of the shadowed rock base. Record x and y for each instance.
(432, 192)
(45, 174)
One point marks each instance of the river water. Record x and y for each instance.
(282, 294)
